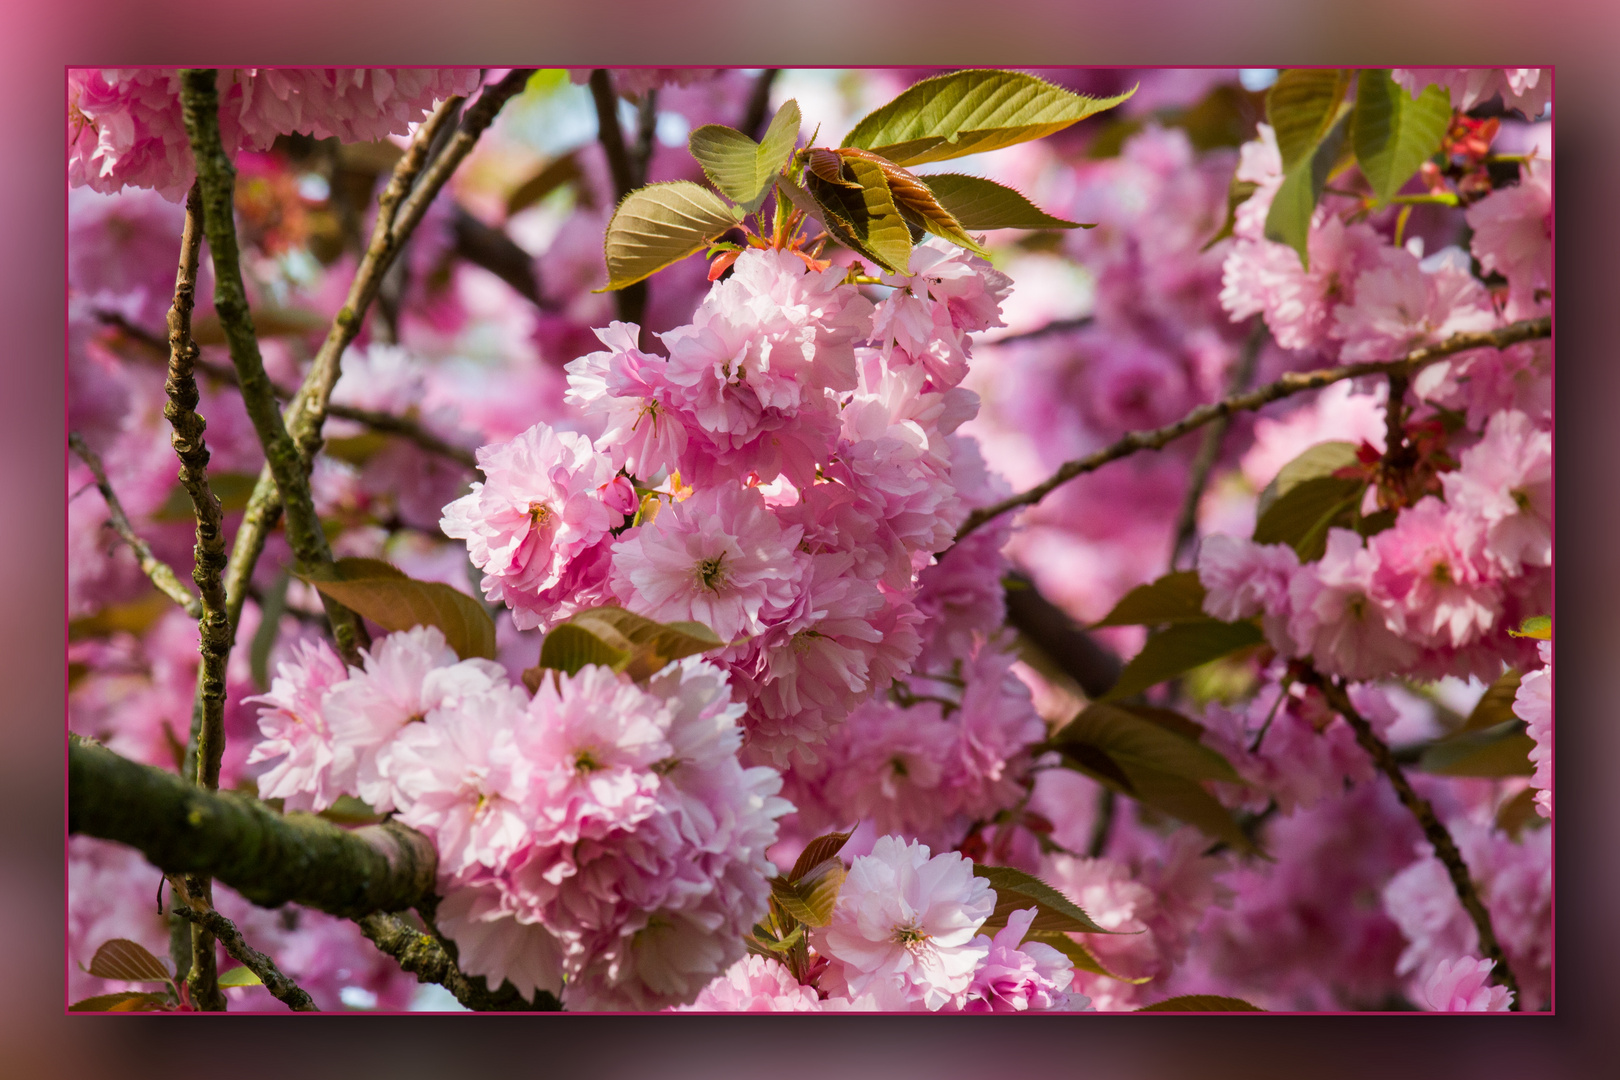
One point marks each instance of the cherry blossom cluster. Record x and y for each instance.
(781, 477)
(598, 833)
(125, 129)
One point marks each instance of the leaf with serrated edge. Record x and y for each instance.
(811, 898)
(386, 596)
(1301, 106)
(1176, 597)
(740, 168)
(1289, 219)
(1394, 133)
(662, 224)
(239, 976)
(831, 217)
(124, 1001)
(818, 851)
(917, 203)
(1083, 958)
(1201, 1003)
(969, 112)
(1179, 648)
(981, 204)
(1129, 738)
(1018, 891)
(869, 213)
(1314, 462)
(127, 961)
(1302, 517)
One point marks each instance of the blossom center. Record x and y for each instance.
(911, 936)
(539, 514)
(712, 573)
(585, 762)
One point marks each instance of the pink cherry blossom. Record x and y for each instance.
(1019, 976)
(294, 725)
(1505, 482)
(755, 984)
(1533, 704)
(1340, 619)
(1460, 986)
(1526, 89)
(1429, 565)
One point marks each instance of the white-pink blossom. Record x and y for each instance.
(1340, 619)
(1461, 986)
(1505, 482)
(293, 724)
(1533, 704)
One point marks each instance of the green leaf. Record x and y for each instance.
(239, 976)
(622, 640)
(1394, 133)
(1181, 647)
(917, 202)
(1301, 106)
(231, 489)
(810, 897)
(981, 204)
(1083, 958)
(1238, 192)
(1201, 1003)
(553, 175)
(383, 594)
(1503, 750)
(1130, 738)
(969, 112)
(1302, 517)
(1289, 220)
(1519, 813)
(767, 944)
(741, 169)
(123, 1001)
(127, 961)
(662, 224)
(1537, 626)
(818, 851)
(1495, 706)
(1174, 598)
(1316, 461)
(1018, 891)
(867, 214)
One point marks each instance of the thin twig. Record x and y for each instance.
(631, 301)
(1209, 448)
(1445, 848)
(161, 573)
(427, 957)
(1056, 326)
(757, 113)
(1287, 386)
(280, 987)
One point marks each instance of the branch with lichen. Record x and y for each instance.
(160, 572)
(430, 959)
(270, 858)
(281, 987)
(1435, 831)
(1287, 386)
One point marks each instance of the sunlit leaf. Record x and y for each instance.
(127, 961)
(916, 201)
(811, 896)
(1503, 750)
(1018, 891)
(1201, 1003)
(1314, 462)
(662, 224)
(1181, 647)
(818, 851)
(1302, 517)
(969, 112)
(383, 594)
(622, 640)
(1176, 597)
(1289, 219)
(239, 976)
(981, 204)
(1495, 706)
(867, 213)
(1537, 626)
(1301, 107)
(1131, 738)
(1395, 133)
(740, 168)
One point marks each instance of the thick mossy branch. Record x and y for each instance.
(271, 859)
(427, 958)
(1290, 384)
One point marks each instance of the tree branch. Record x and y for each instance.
(1287, 386)
(281, 987)
(632, 299)
(757, 114)
(161, 573)
(272, 859)
(430, 961)
(1445, 848)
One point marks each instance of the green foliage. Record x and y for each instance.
(1289, 220)
(1201, 1003)
(1537, 626)
(1306, 499)
(1394, 133)
(383, 594)
(239, 976)
(1237, 193)
(741, 169)
(969, 112)
(809, 897)
(1174, 598)
(123, 1001)
(127, 961)
(1018, 891)
(1502, 750)
(860, 212)
(1083, 958)
(1181, 647)
(981, 204)
(662, 224)
(1302, 106)
(624, 641)
(1495, 706)
(1321, 459)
